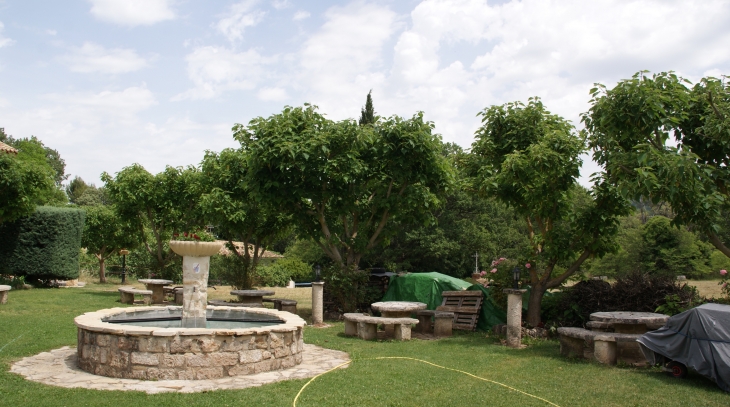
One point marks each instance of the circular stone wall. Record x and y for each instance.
(138, 352)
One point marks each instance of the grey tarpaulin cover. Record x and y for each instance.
(698, 338)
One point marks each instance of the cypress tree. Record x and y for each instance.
(367, 115)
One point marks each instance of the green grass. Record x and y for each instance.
(42, 319)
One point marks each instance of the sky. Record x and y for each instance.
(109, 83)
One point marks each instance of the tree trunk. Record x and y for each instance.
(102, 269)
(534, 304)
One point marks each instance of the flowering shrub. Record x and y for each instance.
(196, 236)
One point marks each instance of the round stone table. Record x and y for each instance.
(629, 322)
(251, 298)
(157, 287)
(396, 309)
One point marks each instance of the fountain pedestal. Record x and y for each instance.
(196, 267)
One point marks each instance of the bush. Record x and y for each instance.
(636, 292)
(283, 270)
(44, 245)
(232, 270)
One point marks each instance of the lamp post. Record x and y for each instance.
(124, 253)
(514, 310)
(516, 278)
(317, 273)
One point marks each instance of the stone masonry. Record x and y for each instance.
(148, 353)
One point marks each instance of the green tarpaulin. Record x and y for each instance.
(427, 288)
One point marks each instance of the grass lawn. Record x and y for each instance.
(42, 319)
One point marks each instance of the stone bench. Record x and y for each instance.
(598, 345)
(4, 293)
(283, 304)
(128, 293)
(442, 324)
(366, 326)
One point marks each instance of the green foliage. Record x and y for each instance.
(161, 203)
(367, 115)
(347, 288)
(343, 183)
(629, 127)
(44, 245)
(195, 235)
(673, 251)
(233, 270)
(529, 159)
(26, 180)
(280, 272)
(105, 233)
(75, 189)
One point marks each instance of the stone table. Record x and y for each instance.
(157, 287)
(629, 322)
(4, 293)
(396, 309)
(251, 298)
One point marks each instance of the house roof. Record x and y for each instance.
(7, 149)
(239, 247)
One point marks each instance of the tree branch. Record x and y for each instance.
(571, 270)
(715, 240)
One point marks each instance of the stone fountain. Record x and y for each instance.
(191, 342)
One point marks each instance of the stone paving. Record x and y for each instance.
(59, 368)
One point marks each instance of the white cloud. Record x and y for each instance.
(239, 17)
(51, 32)
(90, 58)
(133, 12)
(301, 15)
(281, 4)
(214, 70)
(4, 41)
(272, 94)
(106, 131)
(344, 59)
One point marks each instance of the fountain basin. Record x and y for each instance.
(109, 344)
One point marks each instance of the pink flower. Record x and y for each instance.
(528, 265)
(493, 270)
(502, 259)
(724, 285)
(723, 272)
(483, 273)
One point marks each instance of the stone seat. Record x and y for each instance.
(442, 324)
(366, 326)
(283, 304)
(4, 293)
(595, 344)
(128, 293)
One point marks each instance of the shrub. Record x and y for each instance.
(279, 273)
(44, 245)
(635, 292)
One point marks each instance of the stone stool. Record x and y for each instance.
(425, 326)
(4, 293)
(178, 292)
(443, 323)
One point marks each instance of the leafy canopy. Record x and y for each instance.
(662, 138)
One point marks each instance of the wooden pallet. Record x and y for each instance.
(465, 305)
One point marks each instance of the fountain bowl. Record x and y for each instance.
(173, 353)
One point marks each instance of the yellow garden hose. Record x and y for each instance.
(294, 404)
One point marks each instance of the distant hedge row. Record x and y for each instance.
(44, 245)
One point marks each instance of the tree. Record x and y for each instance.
(26, 179)
(228, 204)
(162, 203)
(466, 223)
(629, 129)
(367, 114)
(75, 189)
(105, 234)
(530, 160)
(341, 182)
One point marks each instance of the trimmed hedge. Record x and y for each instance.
(44, 245)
